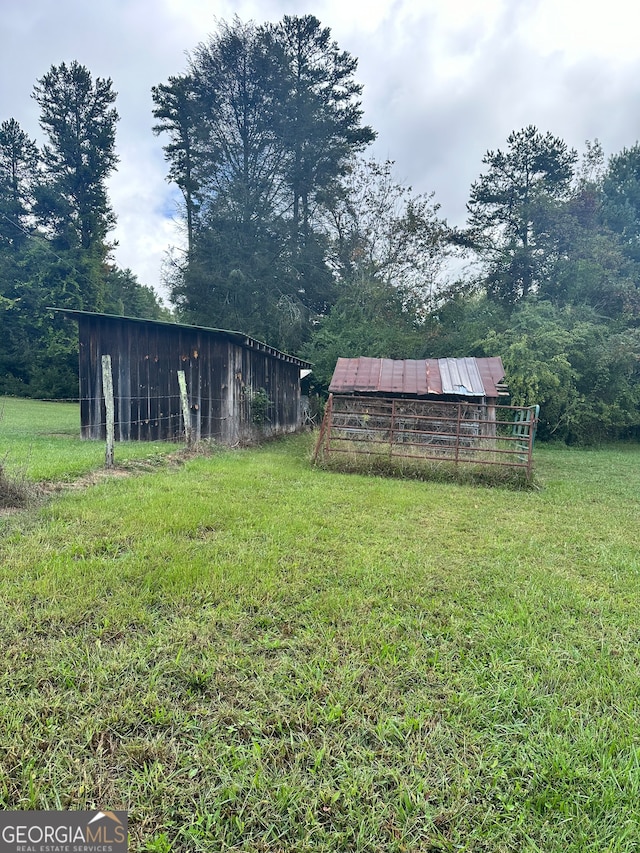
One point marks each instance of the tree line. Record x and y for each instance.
(294, 236)
(55, 219)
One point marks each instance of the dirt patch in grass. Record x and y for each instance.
(92, 478)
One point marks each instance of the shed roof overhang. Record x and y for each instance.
(236, 337)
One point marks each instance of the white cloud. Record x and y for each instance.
(443, 83)
(578, 30)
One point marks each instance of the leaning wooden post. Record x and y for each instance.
(532, 430)
(323, 426)
(186, 414)
(458, 428)
(107, 390)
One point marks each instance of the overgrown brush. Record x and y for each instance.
(420, 469)
(15, 489)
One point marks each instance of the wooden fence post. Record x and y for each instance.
(323, 426)
(392, 425)
(458, 428)
(107, 390)
(186, 414)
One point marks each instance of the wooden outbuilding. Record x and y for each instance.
(238, 389)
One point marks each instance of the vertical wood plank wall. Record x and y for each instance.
(220, 372)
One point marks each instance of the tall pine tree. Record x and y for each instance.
(79, 119)
(506, 200)
(263, 123)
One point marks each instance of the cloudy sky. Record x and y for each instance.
(444, 80)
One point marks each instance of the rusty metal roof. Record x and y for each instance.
(469, 377)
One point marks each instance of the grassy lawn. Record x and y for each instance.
(250, 654)
(41, 441)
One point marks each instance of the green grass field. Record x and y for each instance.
(251, 654)
(41, 441)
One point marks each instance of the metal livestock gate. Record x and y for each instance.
(462, 433)
(239, 389)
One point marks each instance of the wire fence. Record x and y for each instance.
(129, 397)
(238, 414)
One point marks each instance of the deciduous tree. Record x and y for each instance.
(381, 231)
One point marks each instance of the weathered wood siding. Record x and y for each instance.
(222, 371)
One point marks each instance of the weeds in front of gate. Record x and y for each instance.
(486, 469)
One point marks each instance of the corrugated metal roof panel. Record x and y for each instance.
(472, 377)
(343, 373)
(397, 377)
(492, 373)
(385, 367)
(368, 373)
(434, 380)
(412, 376)
(461, 376)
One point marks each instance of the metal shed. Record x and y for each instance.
(440, 409)
(238, 388)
